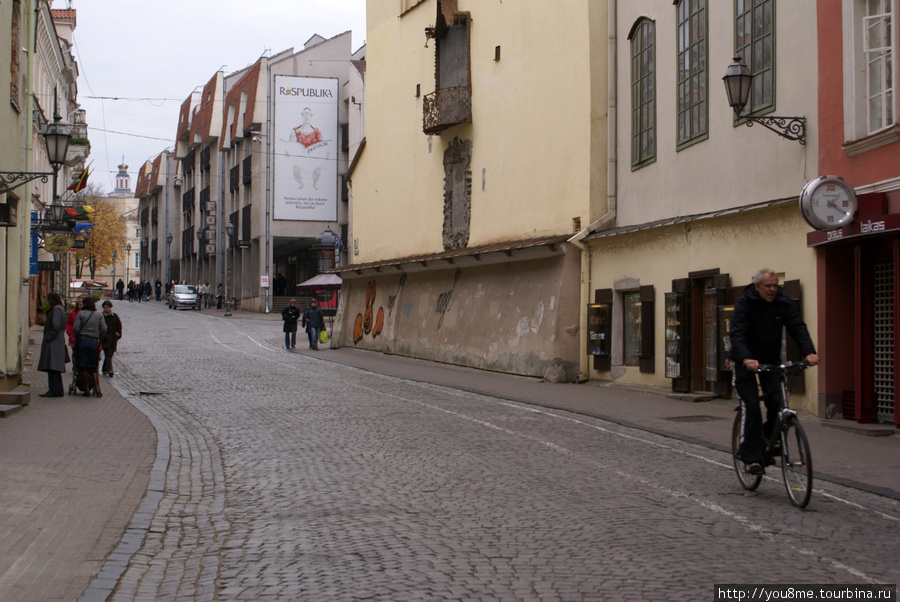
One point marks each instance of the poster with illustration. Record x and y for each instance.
(305, 148)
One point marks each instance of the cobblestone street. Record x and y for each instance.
(286, 476)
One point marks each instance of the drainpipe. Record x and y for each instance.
(268, 170)
(609, 217)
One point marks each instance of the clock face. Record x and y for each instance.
(828, 203)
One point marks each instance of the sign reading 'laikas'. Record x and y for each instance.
(305, 145)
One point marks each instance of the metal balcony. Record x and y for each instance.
(445, 108)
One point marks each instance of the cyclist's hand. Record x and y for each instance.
(813, 359)
(751, 365)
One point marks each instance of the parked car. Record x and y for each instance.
(183, 295)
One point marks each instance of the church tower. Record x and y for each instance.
(123, 181)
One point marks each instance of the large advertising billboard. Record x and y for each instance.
(305, 145)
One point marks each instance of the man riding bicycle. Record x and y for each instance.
(760, 314)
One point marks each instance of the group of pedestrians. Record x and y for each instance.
(89, 333)
(137, 291)
(313, 322)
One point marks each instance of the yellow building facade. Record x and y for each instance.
(485, 151)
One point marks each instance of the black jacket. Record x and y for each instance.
(756, 327)
(290, 315)
(313, 317)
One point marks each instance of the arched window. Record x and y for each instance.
(643, 93)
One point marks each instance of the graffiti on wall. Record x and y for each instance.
(445, 300)
(368, 322)
(392, 300)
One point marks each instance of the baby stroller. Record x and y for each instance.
(82, 382)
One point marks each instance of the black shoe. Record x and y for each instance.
(755, 468)
(50, 394)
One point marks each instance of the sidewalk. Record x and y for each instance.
(74, 471)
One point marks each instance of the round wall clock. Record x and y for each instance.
(828, 203)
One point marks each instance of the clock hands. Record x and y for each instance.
(831, 203)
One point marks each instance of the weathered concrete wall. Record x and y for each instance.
(518, 318)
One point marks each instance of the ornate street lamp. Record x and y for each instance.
(169, 238)
(127, 260)
(229, 230)
(738, 80)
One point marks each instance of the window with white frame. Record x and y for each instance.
(870, 49)
(877, 46)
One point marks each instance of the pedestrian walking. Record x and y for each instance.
(313, 322)
(290, 315)
(148, 290)
(131, 289)
(220, 295)
(53, 347)
(207, 295)
(89, 328)
(158, 289)
(111, 340)
(120, 289)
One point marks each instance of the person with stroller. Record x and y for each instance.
(89, 329)
(111, 340)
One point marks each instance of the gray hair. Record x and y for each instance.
(762, 274)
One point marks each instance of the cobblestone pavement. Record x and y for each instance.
(292, 478)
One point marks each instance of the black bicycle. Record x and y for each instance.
(788, 442)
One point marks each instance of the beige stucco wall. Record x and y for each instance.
(538, 126)
(738, 244)
(518, 318)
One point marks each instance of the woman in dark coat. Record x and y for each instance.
(53, 347)
(290, 315)
(90, 328)
(111, 340)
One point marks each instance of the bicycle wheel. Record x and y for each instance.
(748, 481)
(796, 463)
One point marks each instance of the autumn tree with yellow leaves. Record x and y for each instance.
(105, 235)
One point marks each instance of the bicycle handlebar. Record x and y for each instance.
(801, 365)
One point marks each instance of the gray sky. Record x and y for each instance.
(152, 55)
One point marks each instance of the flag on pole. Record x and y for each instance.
(81, 181)
(79, 211)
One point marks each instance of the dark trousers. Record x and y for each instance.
(55, 383)
(290, 339)
(107, 361)
(753, 430)
(219, 302)
(313, 333)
